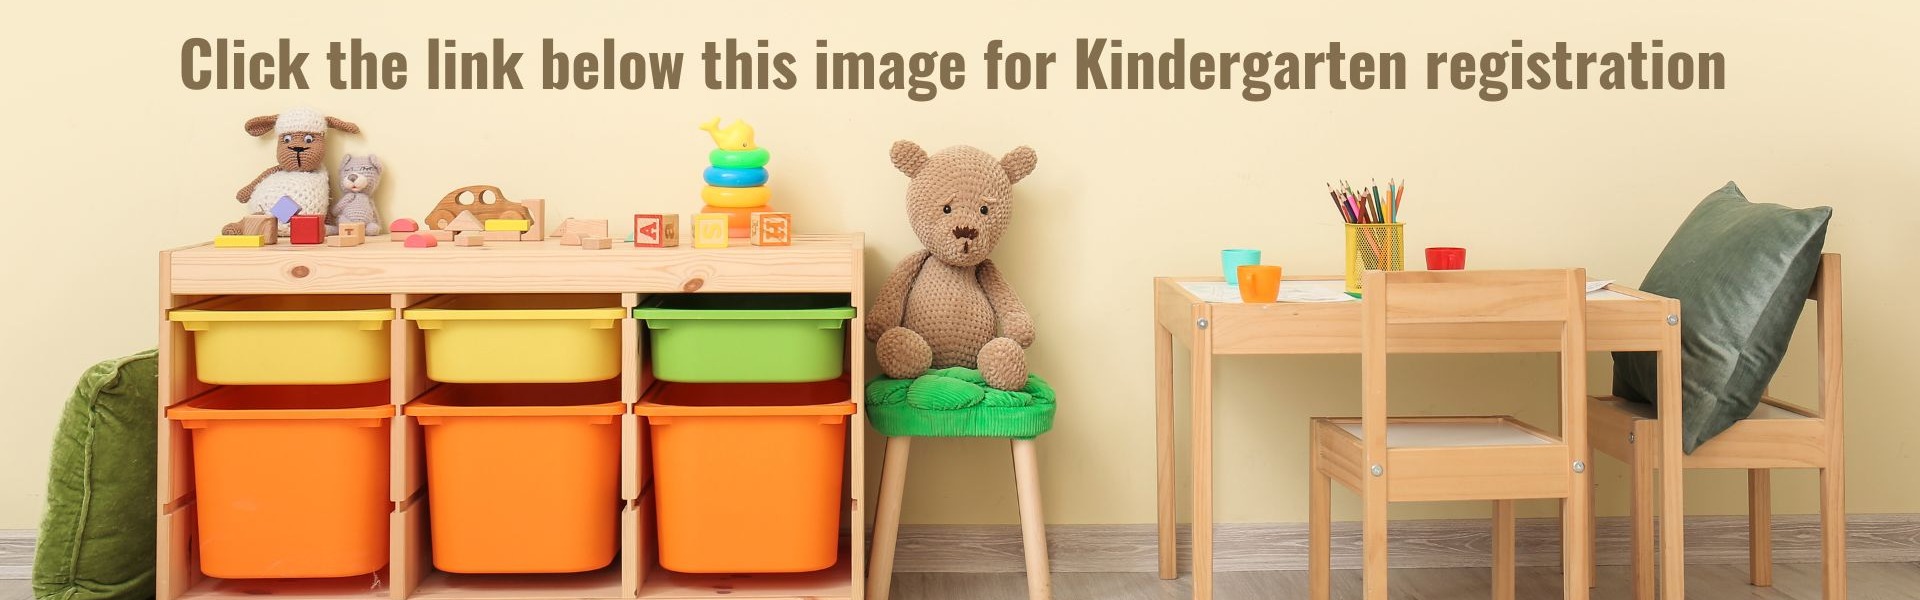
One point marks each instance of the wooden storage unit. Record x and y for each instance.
(410, 276)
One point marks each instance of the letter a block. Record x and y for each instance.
(770, 229)
(656, 231)
(710, 230)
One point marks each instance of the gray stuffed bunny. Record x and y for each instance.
(358, 179)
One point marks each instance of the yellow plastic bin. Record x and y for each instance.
(289, 340)
(522, 478)
(290, 481)
(747, 476)
(521, 338)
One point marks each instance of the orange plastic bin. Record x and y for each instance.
(295, 490)
(747, 477)
(522, 478)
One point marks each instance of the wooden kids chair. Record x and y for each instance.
(1426, 459)
(1777, 436)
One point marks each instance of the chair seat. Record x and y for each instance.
(1776, 436)
(1431, 459)
(1451, 434)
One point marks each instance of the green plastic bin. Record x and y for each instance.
(747, 338)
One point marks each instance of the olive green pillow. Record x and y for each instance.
(1741, 272)
(97, 538)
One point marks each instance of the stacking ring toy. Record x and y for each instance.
(735, 178)
(738, 159)
(731, 197)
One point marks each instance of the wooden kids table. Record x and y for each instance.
(1618, 319)
(409, 276)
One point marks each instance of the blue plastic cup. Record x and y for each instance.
(1231, 260)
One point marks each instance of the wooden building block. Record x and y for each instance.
(595, 243)
(400, 236)
(421, 240)
(265, 226)
(465, 221)
(709, 230)
(513, 225)
(470, 239)
(770, 229)
(341, 241)
(571, 230)
(403, 226)
(441, 235)
(307, 229)
(500, 236)
(537, 213)
(656, 230)
(354, 230)
(238, 241)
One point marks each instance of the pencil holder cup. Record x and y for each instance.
(1373, 247)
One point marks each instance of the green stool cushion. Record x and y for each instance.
(97, 539)
(956, 402)
(1741, 272)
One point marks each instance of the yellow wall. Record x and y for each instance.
(108, 160)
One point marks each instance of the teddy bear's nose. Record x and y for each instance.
(966, 233)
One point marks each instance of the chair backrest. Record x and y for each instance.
(1470, 301)
(1826, 299)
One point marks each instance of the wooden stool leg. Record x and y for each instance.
(1833, 532)
(1319, 526)
(1760, 526)
(1503, 556)
(1033, 525)
(1640, 514)
(886, 518)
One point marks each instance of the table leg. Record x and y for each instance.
(1673, 555)
(1164, 452)
(1202, 466)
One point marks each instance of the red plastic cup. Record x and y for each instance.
(1446, 259)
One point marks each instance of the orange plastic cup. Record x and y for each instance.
(1259, 283)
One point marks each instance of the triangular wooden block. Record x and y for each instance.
(465, 221)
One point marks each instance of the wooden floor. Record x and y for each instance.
(1879, 581)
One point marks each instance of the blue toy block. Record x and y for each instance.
(285, 209)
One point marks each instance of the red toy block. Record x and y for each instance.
(656, 230)
(421, 240)
(307, 229)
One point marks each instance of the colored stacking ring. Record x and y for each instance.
(735, 178)
(728, 197)
(738, 159)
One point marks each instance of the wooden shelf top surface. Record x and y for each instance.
(814, 263)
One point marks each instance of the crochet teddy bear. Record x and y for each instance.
(300, 148)
(947, 305)
(359, 177)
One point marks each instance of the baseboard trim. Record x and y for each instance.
(16, 553)
(1412, 544)
(1282, 546)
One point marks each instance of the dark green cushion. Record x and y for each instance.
(97, 538)
(957, 402)
(1741, 272)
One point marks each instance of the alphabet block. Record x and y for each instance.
(656, 231)
(307, 229)
(354, 231)
(709, 230)
(770, 229)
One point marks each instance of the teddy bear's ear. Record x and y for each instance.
(259, 126)
(1018, 164)
(908, 157)
(343, 125)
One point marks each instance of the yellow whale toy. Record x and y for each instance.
(738, 136)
